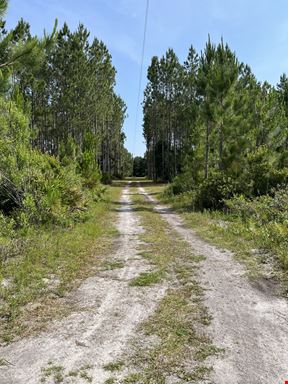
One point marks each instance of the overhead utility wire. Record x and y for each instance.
(140, 76)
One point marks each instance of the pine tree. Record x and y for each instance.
(212, 123)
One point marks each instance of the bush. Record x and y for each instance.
(278, 178)
(181, 184)
(262, 174)
(106, 178)
(7, 225)
(45, 190)
(266, 218)
(213, 191)
(210, 194)
(263, 209)
(34, 187)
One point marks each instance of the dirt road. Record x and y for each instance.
(110, 310)
(248, 323)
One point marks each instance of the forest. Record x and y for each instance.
(61, 124)
(212, 127)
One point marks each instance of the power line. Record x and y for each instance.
(140, 76)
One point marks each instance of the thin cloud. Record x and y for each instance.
(126, 46)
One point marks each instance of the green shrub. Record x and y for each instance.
(262, 174)
(7, 225)
(212, 192)
(106, 178)
(36, 187)
(262, 209)
(278, 178)
(48, 191)
(266, 218)
(181, 184)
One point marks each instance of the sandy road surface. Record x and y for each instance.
(250, 324)
(99, 334)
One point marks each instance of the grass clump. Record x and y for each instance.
(111, 380)
(110, 265)
(58, 375)
(181, 350)
(161, 249)
(55, 372)
(146, 278)
(133, 378)
(265, 219)
(114, 366)
(4, 362)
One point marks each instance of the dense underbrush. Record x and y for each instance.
(266, 219)
(37, 188)
(53, 216)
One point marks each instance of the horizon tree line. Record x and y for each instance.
(210, 119)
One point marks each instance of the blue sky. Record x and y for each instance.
(256, 29)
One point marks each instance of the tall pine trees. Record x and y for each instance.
(210, 122)
(75, 113)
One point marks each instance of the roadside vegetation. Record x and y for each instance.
(213, 131)
(254, 229)
(38, 270)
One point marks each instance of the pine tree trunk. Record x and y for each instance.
(154, 159)
(207, 149)
(175, 156)
(220, 132)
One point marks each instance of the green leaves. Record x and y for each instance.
(3, 7)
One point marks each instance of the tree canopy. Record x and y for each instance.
(61, 123)
(210, 125)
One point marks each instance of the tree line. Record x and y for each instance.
(61, 129)
(74, 109)
(210, 125)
